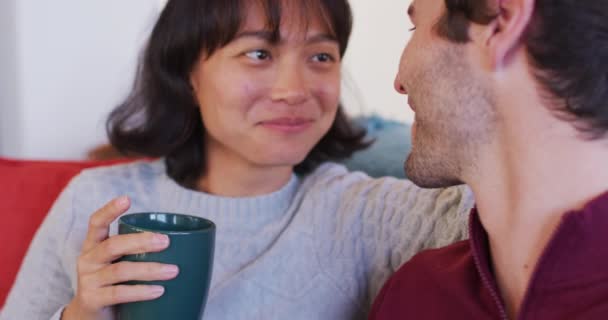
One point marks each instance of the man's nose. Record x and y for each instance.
(398, 86)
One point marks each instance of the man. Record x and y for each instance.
(511, 97)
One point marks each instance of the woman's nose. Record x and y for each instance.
(289, 86)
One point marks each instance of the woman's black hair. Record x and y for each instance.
(161, 117)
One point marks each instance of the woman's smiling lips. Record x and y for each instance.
(287, 125)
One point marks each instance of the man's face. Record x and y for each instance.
(453, 113)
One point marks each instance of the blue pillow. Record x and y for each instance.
(386, 155)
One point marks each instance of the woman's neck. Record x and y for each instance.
(231, 176)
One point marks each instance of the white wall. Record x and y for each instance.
(72, 62)
(10, 115)
(380, 32)
(66, 63)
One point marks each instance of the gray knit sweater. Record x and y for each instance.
(319, 248)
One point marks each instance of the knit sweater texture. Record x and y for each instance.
(319, 248)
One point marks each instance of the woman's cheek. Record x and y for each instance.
(330, 96)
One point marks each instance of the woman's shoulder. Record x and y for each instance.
(94, 187)
(332, 173)
(123, 173)
(331, 177)
(333, 184)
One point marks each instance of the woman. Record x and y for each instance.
(240, 99)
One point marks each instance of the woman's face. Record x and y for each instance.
(269, 104)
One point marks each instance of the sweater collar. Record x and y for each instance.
(255, 211)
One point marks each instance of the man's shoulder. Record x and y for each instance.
(434, 284)
(446, 264)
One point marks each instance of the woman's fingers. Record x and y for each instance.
(125, 244)
(112, 295)
(130, 271)
(100, 281)
(99, 223)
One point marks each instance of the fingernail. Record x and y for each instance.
(161, 239)
(170, 270)
(122, 201)
(156, 291)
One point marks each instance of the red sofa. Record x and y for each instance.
(27, 191)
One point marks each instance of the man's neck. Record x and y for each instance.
(523, 186)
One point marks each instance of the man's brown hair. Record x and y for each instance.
(567, 42)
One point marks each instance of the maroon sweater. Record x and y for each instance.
(456, 282)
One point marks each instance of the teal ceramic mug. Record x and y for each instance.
(192, 242)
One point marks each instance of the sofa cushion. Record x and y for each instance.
(385, 157)
(27, 191)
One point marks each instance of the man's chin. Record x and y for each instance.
(429, 174)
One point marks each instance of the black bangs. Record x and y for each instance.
(303, 11)
(335, 15)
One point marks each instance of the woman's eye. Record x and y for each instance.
(323, 57)
(258, 54)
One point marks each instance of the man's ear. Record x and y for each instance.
(507, 30)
